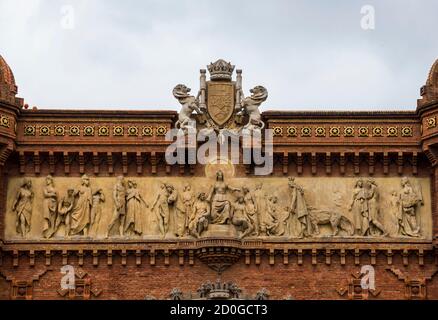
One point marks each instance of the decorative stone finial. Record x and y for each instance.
(429, 92)
(8, 88)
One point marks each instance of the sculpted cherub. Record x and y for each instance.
(188, 104)
(250, 105)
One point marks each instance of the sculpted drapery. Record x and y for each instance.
(299, 208)
(80, 216)
(50, 207)
(220, 205)
(409, 199)
(246, 212)
(22, 206)
(135, 209)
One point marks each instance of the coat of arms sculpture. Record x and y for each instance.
(220, 104)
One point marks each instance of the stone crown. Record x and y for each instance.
(220, 70)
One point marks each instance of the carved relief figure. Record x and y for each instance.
(50, 207)
(250, 209)
(187, 199)
(220, 205)
(119, 197)
(260, 204)
(198, 221)
(80, 215)
(268, 222)
(374, 227)
(188, 104)
(298, 206)
(359, 206)
(135, 206)
(250, 105)
(284, 220)
(290, 224)
(161, 208)
(96, 211)
(22, 205)
(409, 199)
(64, 211)
(239, 217)
(176, 211)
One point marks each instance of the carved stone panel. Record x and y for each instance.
(221, 206)
(220, 101)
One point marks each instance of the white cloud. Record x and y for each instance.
(130, 54)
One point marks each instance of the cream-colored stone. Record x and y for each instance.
(325, 194)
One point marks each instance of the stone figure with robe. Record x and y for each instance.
(408, 201)
(119, 213)
(160, 207)
(268, 219)
(220, 205)
(359, 207)
(50, 207)
(96, 211)
(135, 207)
(240, 218)
(375, 227)
(81, 212)
(65, 207)
(298, 207)
(22, 206)
(199, 218)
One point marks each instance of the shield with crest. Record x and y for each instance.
(220, 101)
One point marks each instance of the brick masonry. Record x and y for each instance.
(306, 144)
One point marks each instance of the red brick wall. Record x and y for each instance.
(307, 281)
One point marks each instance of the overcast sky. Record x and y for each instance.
(130, 54)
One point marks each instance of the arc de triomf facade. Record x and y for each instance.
(91, 196)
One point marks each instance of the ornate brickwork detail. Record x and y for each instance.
(29, 130)
(415, 287)
(335, 131)
(217, 290)
(84, 289)
(392, 131)
(161, 131)
(277, 131)
(431, 122)
(103, 131)
(292, 131)
(320, 132)
(132, 131)
(407, 132)
(59, 131)
(219, 258)
(4, 121)
(429, 92)
(147, 131)
(22, 289)
(118, 131)
(349, 131)
(355, 290)
(89, 131)
(306, 132)
(74, 131)
(44, 130)
(378, 132)
(363, 131)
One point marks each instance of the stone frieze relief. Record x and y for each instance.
(64, 208)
